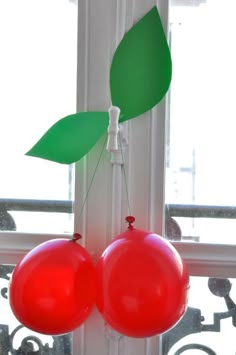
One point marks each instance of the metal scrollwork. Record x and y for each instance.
(191, 323)
(5, 271)
(30, 344)
(27, 347)
(201, 347)
(4, 292)
(6, 221)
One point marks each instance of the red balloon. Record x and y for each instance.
(52, 290)
(142, 284)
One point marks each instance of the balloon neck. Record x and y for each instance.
(76, 236)
(130, 220)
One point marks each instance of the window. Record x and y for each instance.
(199, 189)
(38, 86)
(200, 155)
(101, 25)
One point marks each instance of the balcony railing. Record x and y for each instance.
(191, 323)
(201, 211)
(7, 222)
(172, 228)
(27, 205)
(65, 206)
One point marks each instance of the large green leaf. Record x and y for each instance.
(141, 68)
(69, 139)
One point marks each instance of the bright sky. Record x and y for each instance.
(203, 111)
(37, 88)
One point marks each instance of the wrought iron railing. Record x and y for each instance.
(65, 206)
(7, 205)
(172, 230)
(28, 205)
(30, 344)
(201, 211)
(191, 323)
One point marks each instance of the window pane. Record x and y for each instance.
(199, 332)
(201, 143)
(14, 338)
(37, 88)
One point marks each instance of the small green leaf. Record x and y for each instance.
(69, 139)
(141, 68)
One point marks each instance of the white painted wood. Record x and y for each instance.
(215, 260)
(153, 346)
(95, 33)
(101, 26)
(21, 243)
(157, 173)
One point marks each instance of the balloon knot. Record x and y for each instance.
(76, 236)
(130, 220)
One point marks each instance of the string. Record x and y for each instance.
(93, 176)
(95, 170)
(124, 174)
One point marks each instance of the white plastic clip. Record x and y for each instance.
(113, 129)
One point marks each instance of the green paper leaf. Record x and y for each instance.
(69, 139)
(141, 68)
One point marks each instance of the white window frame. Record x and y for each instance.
(101, 25)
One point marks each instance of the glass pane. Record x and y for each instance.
(201, 139)
(16, 339)
(37, 88)
(207, 327)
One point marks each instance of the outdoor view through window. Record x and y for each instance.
(37, 88)
(201, 143)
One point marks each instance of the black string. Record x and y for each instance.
(91, 181)
(124, 174)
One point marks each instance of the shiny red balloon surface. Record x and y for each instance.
(52, 290)
(142, 284)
